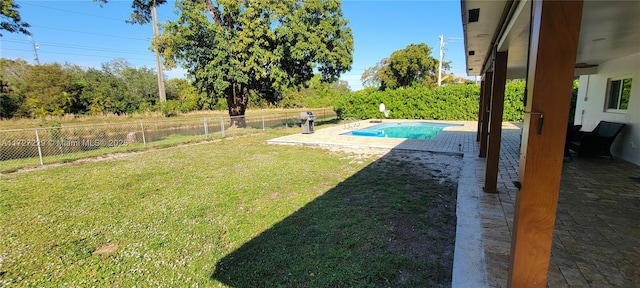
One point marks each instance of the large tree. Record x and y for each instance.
(141, 83)
(50, 89)
(232, 47)
(412, 65)
(118, 88)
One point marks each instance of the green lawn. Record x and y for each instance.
(9, 166)
(235, 212)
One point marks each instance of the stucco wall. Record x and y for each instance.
(590, 106)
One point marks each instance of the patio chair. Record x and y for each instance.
(572, 134)
(597, 142)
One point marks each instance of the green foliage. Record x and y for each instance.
(231, 48)
(455, 102)
(12, 74)
(55, 89)
(316, 94)
(50, 89)
(141, 10)
(574, 100)
(406, 67)
(8, 104)
(183, 92)
(220, 104)
(169, 108)
(513, 101)
(626, 93)
(10, 19)
(139, 83)
(103, 93)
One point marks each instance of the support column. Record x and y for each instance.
(555, 28)
(495, 122)
(488, 82)
(480, 109)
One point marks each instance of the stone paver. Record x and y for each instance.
(596, 240)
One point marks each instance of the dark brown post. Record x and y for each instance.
(480, 109)
(495, 122)
(488, 82)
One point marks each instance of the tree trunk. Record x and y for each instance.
(237, 99)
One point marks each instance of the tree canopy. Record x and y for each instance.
(54, 89)
(57, 89)
(268, 51)
(317, 93)
(406, 67)
(231, 47)
(10, 19)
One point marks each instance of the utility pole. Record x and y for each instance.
(443, 50)
(161, 93)
(441, 58)
(35, 50)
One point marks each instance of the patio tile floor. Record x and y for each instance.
(596, 240)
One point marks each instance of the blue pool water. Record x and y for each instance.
(410, 130)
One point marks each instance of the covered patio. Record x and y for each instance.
(596, 241)
(546, 221)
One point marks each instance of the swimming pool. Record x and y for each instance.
(410, 130)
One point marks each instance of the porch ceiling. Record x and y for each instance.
(610, 29)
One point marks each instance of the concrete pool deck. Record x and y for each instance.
(458, 139)
(469, 261)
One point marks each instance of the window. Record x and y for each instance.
(619, 94)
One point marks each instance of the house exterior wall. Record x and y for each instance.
(591, 105)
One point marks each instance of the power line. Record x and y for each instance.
(87, 55)
(70, 11)
(91, 33)
(93, 48)
(443, 50)
(87, 14)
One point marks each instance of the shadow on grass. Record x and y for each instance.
(392, 224)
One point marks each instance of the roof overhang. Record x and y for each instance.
(480, 33)
(609, 30)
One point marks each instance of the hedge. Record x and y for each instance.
(456, 102)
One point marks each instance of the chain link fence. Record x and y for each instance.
(21, 148)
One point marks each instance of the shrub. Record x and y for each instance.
(513, 101)
(456, 102)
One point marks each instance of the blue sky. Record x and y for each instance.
(83, 33)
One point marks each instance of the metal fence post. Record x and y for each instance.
(263, 123)
(144, 139)
(286, 121)
(39, 147)
(222, 125)
(206, 128)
